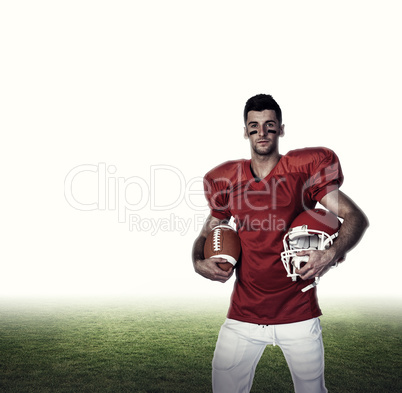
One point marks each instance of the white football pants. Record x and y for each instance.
(240, 346)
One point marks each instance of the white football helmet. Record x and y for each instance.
(314, 229)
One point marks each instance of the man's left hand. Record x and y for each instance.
(318, 264)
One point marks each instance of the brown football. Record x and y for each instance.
(223, 242)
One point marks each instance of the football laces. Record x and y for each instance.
(217, 239)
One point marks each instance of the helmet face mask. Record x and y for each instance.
(312, 230)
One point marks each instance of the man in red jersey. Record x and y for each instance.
(264, 195)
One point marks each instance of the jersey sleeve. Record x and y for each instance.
(326, 175)
(217, 193)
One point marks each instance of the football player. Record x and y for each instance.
(264, 195)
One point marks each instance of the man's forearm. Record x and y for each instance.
(354, 223)
(198, 249)
(352, 230)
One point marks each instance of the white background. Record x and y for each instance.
(128, 85)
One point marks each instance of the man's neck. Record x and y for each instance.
(261, 166)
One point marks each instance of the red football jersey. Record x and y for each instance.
(263, 210)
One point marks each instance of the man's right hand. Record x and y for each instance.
(209, 268)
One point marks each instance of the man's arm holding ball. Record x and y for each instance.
(209, 268)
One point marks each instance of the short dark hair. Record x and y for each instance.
(261, 102)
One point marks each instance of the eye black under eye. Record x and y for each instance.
(253, 132)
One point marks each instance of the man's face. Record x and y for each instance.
(263, 130)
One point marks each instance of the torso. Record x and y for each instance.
(263, 211)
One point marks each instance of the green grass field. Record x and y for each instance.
(167, 346)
